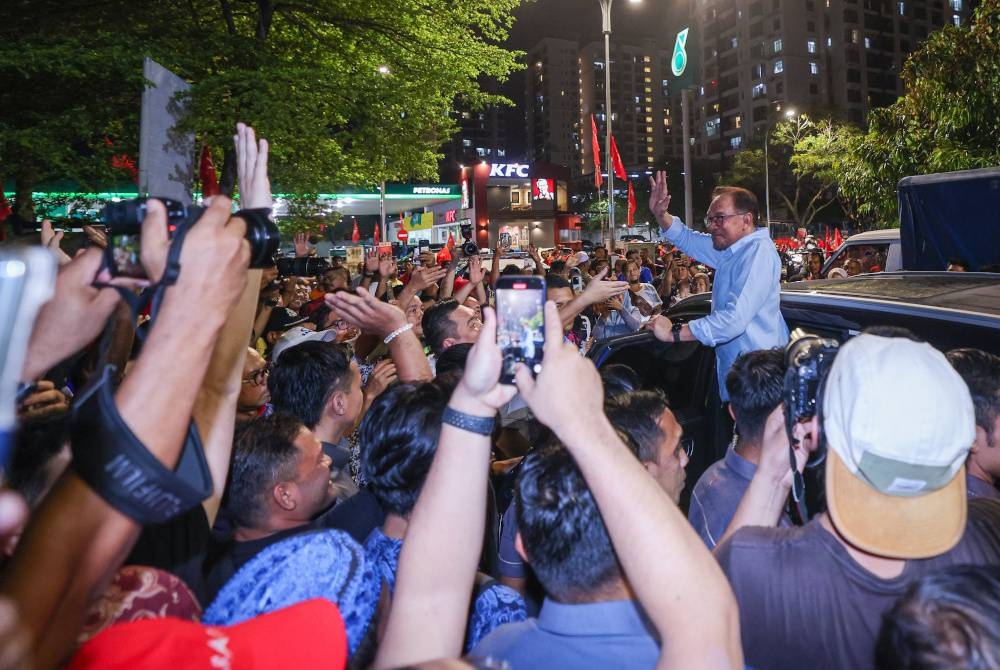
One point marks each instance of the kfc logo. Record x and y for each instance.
(508, 170)
(543, 189)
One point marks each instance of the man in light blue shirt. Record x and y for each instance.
(746, 313)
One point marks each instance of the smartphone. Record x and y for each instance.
(520, 323)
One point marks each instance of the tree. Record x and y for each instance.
(947, 120)
(801, 175)
(350, 92)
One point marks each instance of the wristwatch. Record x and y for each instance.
(676, 330)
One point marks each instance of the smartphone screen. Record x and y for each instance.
(520, 323)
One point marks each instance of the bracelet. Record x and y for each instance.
(473, 424)
(396, 333)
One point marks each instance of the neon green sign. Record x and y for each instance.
(680, 59)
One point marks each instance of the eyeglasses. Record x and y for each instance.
(340, 324)
(716, 219)
(258, 377)
(687, 444)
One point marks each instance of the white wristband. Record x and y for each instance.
(396, 333)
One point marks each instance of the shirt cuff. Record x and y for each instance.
(702, 332)
(672, 233)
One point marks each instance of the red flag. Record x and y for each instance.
(596, 148)
(5, 209)
(450, 244)
(355, 234)
(206, 173)
(631, 206)
(616, 161)
(376, 234)
(837, 239)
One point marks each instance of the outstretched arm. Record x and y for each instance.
(687, 598)
(437, 566)
(76, 541)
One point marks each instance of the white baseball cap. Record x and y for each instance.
(298, 335)
(899, 422)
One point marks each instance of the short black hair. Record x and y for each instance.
(981, 372)
(557, 266)
(743, 200)
(437, 324)
(453, 359)
(954, 260)
(306, 375)
(949, 618)
(637, 414)
(556, 281)
(756, 384)
(264, 454)
(892, 331)
(561, 527)
(35, 445)
(398, 439)
(619, 378)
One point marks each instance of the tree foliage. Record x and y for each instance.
(946, 121)
(350, 92)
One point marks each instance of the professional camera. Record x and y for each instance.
(469, 248)
(123, 224)
(809, 359)
(302, 267)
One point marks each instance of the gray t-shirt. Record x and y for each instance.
(804, 603)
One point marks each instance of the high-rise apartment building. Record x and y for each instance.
(763, 58)
(565, 85)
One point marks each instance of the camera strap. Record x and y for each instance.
(109, 457)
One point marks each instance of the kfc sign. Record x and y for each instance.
(543, 189)
(509, 170)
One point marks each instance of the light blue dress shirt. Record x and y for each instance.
(746, 313)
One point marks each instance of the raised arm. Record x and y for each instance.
(437, 566)
(596, 291)
(384, 320)
(687, 597)
(76, 540)
(495, 267)
(475, 280)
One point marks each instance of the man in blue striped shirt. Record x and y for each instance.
(746, 313)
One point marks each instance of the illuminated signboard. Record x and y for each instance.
(432, 190)
(543, 189)
(509, 170)
(465, 193)
(679, 61)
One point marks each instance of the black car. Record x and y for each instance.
(947, 310)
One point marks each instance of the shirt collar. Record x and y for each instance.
(738, 464)
(610, 617)
(746, 239)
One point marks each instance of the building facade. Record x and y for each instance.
(763, 58)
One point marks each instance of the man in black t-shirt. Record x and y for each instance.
(897, 421)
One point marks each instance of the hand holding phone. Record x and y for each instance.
(520, 323)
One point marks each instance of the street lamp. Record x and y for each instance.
(606, 29)
(767, 172)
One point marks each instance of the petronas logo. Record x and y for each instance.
(679, 61)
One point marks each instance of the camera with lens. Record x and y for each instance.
(123, 226)
(469, 248)
(809, 359)
(302, 267)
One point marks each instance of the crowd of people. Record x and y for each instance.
(325, 471)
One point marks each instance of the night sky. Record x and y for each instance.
(581, 20)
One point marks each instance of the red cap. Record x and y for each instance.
(309, 634)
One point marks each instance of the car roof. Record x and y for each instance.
(975, 292)
(886, 234)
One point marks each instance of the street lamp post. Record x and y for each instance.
(767, 172)
(606, 29)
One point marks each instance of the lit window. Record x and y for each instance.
(855, 36)
(736, 142)
(813, 68)
(956, 5)
(902, 9)
(737, 121)
(734, 42)
(758, 90)
(777, 46)
(829, 42)
(956, 19)
(779, 66)
(868, 42)
(811, 46)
